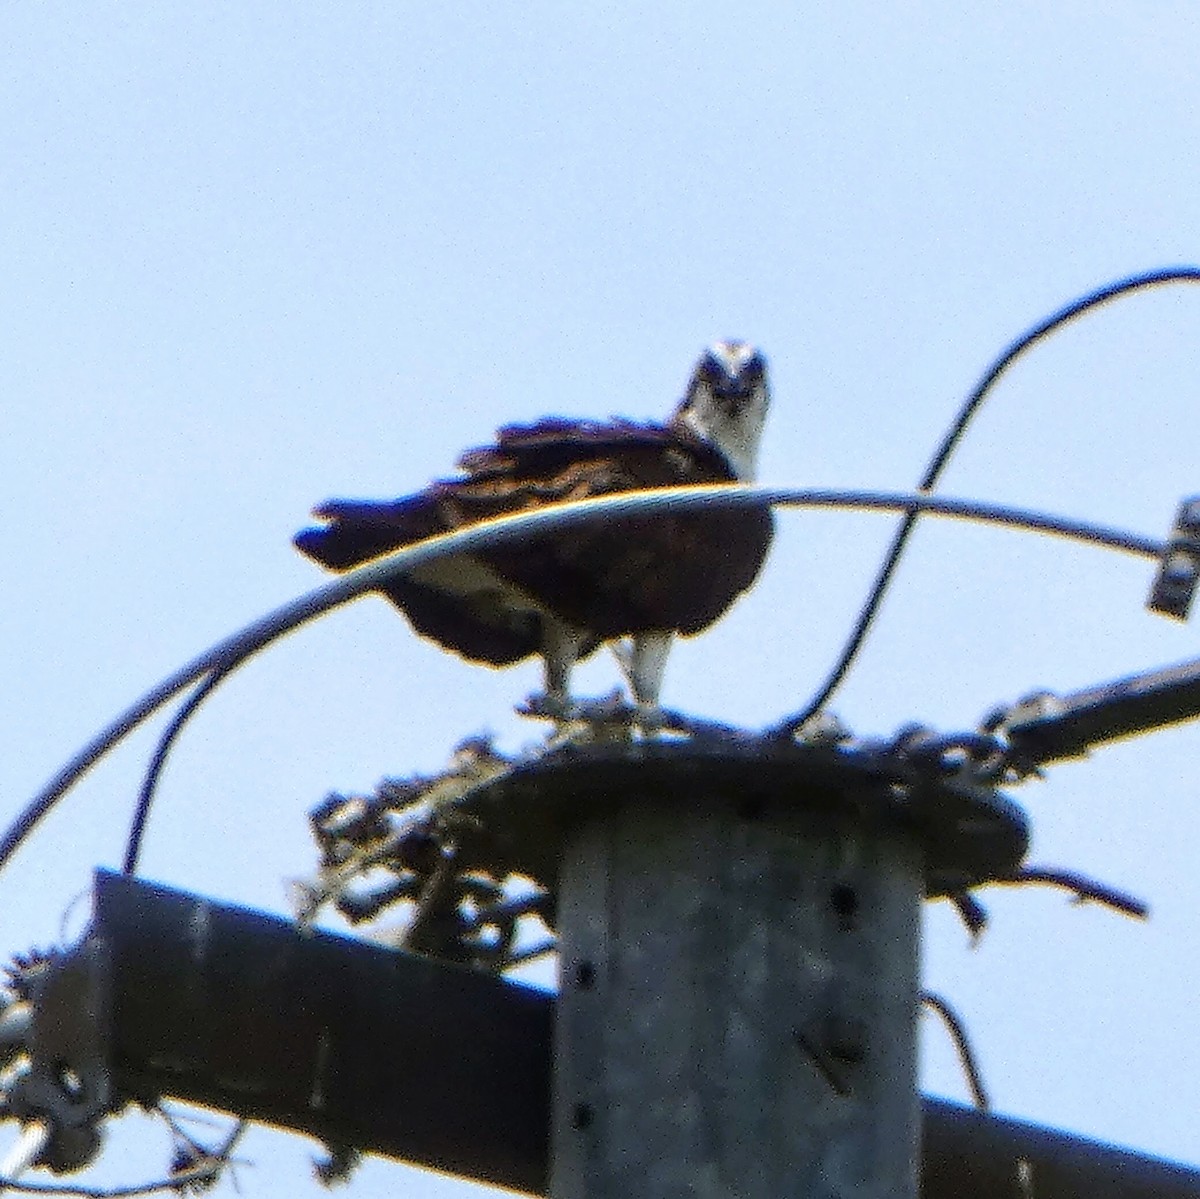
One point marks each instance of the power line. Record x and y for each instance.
(945, 451)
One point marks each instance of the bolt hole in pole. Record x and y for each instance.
(752, 807)
(843, 898)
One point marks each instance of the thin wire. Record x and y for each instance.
(137, 826)
(226, 655)
(945, 451)
(962, 1045)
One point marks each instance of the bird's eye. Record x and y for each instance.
(721, 375)
(754, 367)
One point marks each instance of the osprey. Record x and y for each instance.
(562, 594)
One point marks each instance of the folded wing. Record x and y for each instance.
(608, 578)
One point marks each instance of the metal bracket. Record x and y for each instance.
(63, 1082)
(1050, 728)
(1179, 570)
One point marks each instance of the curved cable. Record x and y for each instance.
(226, 655)
(141, 813)
(954, 1025)
(941, 459)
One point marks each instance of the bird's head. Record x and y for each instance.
(726, 403)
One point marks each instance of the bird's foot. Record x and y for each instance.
(546, 705)
(649, 721)
(608, 718)
(613, 718)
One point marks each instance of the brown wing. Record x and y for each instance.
(475, 624)
(617, 576)
(611, 578)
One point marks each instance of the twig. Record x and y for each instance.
(971, 912)
(202, 1173)
(1085, 889)
(520, 957)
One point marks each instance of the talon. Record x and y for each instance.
(648, 720)
(543, 705)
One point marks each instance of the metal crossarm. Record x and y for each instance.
(1048, 727)
(434, 1064)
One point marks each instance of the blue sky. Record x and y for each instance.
(257, 255)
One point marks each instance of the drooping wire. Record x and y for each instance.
(229, 654)
(954, 1025)
(141, 813)
(941, 460)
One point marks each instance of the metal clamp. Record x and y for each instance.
(54, 1037)
(1179, 569)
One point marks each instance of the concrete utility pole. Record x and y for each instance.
(738, 936)
(737, 1007)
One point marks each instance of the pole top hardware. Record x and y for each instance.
(516, 822)
(1179, 569)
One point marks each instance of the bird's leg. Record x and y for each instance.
(643, 664)
(623, 652)
(560, 647)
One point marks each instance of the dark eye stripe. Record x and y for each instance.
(714, 372)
